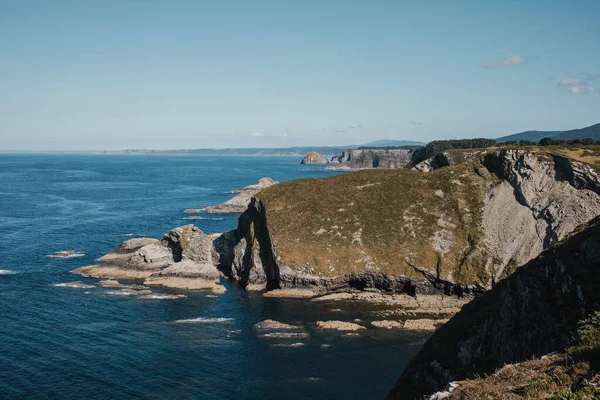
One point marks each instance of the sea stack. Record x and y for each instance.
(314, 158)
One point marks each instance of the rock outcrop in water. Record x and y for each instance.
(314, 158)
(240, 202)
(185, 258)
(531, 313)
(455, 230)
(374, 158)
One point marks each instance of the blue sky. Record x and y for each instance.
(189, 74)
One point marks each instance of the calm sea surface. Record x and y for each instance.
(59, 342)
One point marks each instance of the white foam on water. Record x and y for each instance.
(284, 335)
(202, 320)
(299, 344)
(57, 255)
(160, 297)
(7, 272)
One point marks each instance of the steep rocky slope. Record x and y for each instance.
(456, 230)
(531, 313)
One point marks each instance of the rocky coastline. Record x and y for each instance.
(550, 195)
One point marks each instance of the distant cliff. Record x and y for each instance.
(314, 158)
(366, 158)
(531, 313)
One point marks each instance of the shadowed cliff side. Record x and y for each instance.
(533, 312)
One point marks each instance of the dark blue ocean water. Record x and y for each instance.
(59, 342)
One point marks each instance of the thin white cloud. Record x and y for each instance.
(275, 135)
(581, 90)
(507, 62)
(570, 81)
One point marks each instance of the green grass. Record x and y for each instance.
(394, 213)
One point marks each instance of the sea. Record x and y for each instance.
(60, 342)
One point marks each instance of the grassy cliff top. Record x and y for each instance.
(379, 220)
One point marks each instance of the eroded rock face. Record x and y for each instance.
(446, 159)
(314, 158)
(189, 242)
(531, 313)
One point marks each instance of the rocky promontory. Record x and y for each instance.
(456, 230)
(314, 158)
(239, 203)
(184, 258)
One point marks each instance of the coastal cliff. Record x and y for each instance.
(533, 312)
(375, 158)
(456, 230)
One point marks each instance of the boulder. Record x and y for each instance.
(189, 242)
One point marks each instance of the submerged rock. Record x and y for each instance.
(292, 293)
(339, 326)
(386, 324)
(422, 324)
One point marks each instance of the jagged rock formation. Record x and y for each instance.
(446, 159)
(314, 158)
(456, 230)
(374, 158)
(186, 258)
(533, 312)
(240, 202)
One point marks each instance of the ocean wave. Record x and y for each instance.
(163, 296)
(202, 320)
(204, 218)
(284, 335)
(299, 344)
(7, 272)
(76, 285)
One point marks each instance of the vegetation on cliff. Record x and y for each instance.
(470, 224)
(377, 219)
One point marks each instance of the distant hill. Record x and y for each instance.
(591, 132)
(533, 136)
(392, 143)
